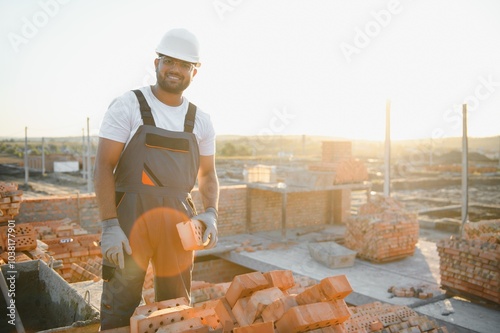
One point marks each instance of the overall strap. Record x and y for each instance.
(190, 117)
(146, 115)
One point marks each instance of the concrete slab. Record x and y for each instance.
(370, 281)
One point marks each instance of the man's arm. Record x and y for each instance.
(208, 183)
(108, 153)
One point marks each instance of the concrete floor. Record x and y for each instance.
(370, 281)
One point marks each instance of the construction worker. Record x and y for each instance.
(153, 147)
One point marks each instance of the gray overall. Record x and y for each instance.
(153, 179)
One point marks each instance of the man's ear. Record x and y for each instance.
(157, 61)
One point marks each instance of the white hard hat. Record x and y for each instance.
(180, 44)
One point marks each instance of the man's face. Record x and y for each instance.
(173, 75)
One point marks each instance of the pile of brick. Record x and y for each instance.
(260, 302)
(470, 267)
(382, 230)
(267, 303)
(85, 271)
(422, 291)
(253, 302)
(485, 230)
(385, 318)
(10, 201)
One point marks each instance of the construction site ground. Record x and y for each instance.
(288, 249)
(370, 281)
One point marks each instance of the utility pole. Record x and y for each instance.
(89, 168)
(84, 168)
(465, 169)
(26, 171)
(43, 156)
(387, 155)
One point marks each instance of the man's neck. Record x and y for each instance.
(165, 97)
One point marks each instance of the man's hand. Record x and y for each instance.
(209, 218)
(113, 241)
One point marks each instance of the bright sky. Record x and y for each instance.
(323, 67)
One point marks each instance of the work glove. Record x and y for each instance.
(209, 219)
(113, 241)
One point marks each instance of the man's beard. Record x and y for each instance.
(172, 87)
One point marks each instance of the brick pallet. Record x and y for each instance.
(10, 201)
(382, 231)
(470, 267)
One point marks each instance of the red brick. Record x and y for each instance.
(259, 300)
(313, 316)
(244, 285)
(336, 287)
(191, 325)
(277, 309)
(282, 279)
(265, 327)
(225, 314)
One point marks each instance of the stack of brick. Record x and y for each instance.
(382, 231)
(422, 291)
(346, 171)
(22, 236)
(485, 230)
(76, 249)
(10, 201)
(381, 318)
(261, 302)
(56, 229)
(470, 267)
(337, 159)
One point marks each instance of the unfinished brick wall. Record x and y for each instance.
(232, 209)
(303, 208)
(79, 208)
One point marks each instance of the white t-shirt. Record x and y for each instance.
(123, 118)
